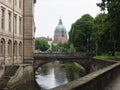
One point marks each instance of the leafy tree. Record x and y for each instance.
(99, 27)
(71, 49)
(54, 48)
(61, 47)
(113, 8)
(41, 45)
(81, 32)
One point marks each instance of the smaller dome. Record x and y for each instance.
(60, 26)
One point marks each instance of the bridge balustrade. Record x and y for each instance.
(39, 54)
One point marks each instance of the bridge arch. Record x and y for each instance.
(84, 62)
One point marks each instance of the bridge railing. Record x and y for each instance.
(56, 54)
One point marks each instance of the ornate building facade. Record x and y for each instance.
(16, 31)
(60, 33)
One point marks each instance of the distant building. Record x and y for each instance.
(44, 38)
(60, 33)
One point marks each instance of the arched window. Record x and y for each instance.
(2, 46)
(15, 48)
(9, 47)
(20, 49)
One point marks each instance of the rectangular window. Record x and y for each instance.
(15, 24)
(15, 2)
(20, 4)
(9, 21)
(2, 18)
(20, 25)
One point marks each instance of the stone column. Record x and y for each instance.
(28, 30)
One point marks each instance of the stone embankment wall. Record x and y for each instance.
(92, 65)
(97, 80)
(96, 64)
(23, 75)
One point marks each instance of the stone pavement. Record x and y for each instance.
(114, 85)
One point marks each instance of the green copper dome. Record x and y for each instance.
(60, 26)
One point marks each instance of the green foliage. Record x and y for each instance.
(109, 57)
(41, 45)
(81, 31)
(113, 28)
(118, 53)
(60, 47)
(75, 68)
(98, 34)
(55, 47)
(65, 47)
(71, 49)
(70, 68)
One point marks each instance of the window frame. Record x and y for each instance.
(2, 18)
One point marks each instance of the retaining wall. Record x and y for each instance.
(97, 80)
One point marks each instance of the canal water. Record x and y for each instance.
(57, 73)
(54, 74)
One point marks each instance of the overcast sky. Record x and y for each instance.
(48, 13)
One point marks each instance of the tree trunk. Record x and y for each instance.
(113, 53)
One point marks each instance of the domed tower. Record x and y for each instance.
(60, 33)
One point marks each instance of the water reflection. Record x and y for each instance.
(55, 74)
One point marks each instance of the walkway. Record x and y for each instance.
(114, 85)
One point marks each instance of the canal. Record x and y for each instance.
(57, 73)
(54, 74)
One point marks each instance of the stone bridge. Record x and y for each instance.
(88, 63)
(99, 72)
(43, 58)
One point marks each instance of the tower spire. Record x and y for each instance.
(60, 21)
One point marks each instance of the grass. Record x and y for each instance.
(108, 57)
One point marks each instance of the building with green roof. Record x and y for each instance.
(60, 33)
